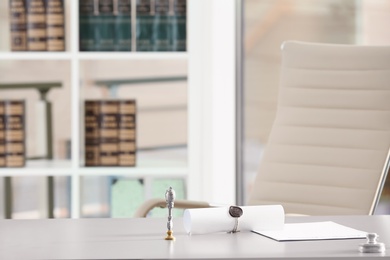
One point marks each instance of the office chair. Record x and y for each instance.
(328, 150)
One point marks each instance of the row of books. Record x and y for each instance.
(110, 132)
(37, 25)
(12, 133)
(106, 26)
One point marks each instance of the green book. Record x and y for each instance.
(179, 26)
(159, 187)
(87, 25)
(123, 26)
(144, 26)
(126, 196)
(161, 26)
(106, 26)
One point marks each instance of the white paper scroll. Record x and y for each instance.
(210, 220)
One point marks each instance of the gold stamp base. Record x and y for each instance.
(170, 235)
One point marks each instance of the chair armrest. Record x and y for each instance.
(148, 205)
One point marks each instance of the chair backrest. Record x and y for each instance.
(328, 149)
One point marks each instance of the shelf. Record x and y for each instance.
(131, 55)
(35, 55)
(93, 55)
(145, 168)
(136, 172)
(40, 168)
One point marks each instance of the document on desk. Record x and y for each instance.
(211, 220)
(312, 231)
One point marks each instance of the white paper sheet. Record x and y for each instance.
(312, 231)
(210, 220)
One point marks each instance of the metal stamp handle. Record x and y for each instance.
(170, 196)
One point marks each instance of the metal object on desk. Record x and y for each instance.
(170, 199)
(372, 246)
(235, 212)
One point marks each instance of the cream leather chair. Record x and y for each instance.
(328, 150)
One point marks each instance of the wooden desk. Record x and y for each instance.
(143, 239)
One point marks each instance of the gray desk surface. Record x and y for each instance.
(143, 239)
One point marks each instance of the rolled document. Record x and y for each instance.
(210, 220)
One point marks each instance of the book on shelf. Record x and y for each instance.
(161, 26)
(91, 133)
(123, 25)
(87, 25)
(14, 133)
(123, 190)
(18, 25)
(2, 134)
(126, 134)
(179, 26)
(144, 25)
(106, 26)
(55, 25)
(110, 132)
(36, 25)
(159, 186)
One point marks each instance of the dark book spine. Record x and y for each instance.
(2, 134)
(127, 133)
(92, 153)
(161, 26)
(108, 133)
(18, 25)
(106, 26)
(123, 26)
(14, 133)
(87, 25)
(144, 25)
(55, 25)
(179, 25)
(36, 25)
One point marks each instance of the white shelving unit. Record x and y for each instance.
(35, 56)
(40, 168)
(211, 137)
(92, 56)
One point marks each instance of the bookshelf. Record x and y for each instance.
(207, 162)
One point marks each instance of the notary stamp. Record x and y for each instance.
(170, 199)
